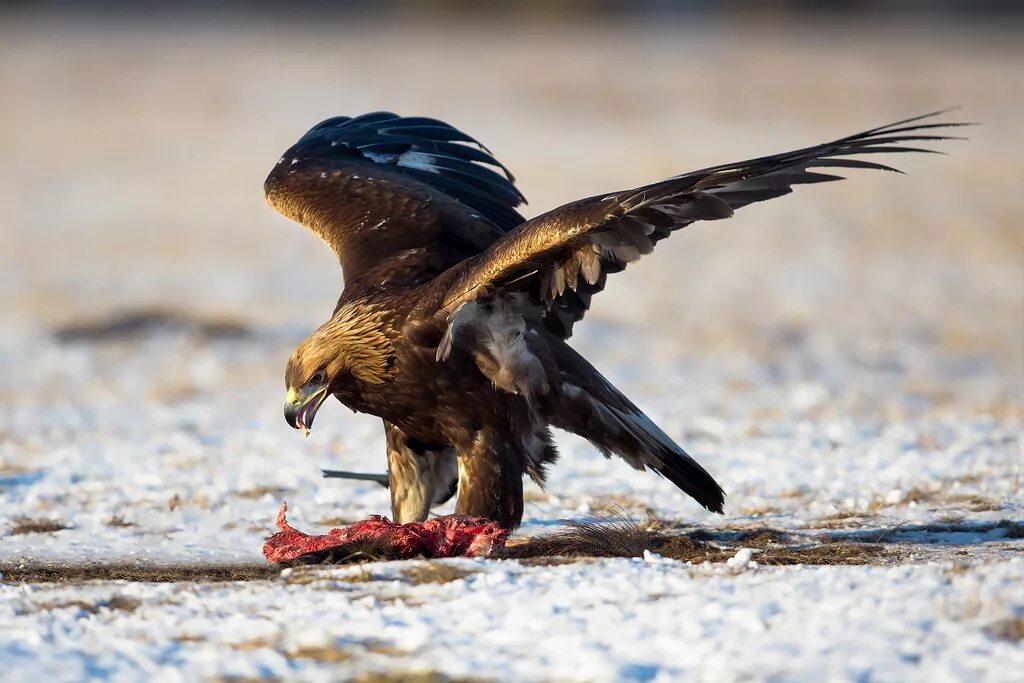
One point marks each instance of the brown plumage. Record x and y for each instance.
(453, 320)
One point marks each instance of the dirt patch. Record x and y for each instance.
(435, 572)
(67, 572)
(828, 554)
(414, 677)
(325, 654)
(939, 497)
(118, 522)
(747, 538)
(379, 647)
(122, 603)
(551, 561)
(119, 603)
(400, 599)
(304, 576)
(621, 506)
(927, 534)
(761, 511)
(843, 520)
(328, 653)
(1011, 629)
(687, 549)
(27, 525)
(952, 519)
(254, 644)
(261, 491)
(135, 324)
(630, 539)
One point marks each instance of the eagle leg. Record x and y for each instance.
(418, 477)
(491, 478)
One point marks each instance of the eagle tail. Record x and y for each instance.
(590, 406)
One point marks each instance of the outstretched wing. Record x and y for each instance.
(574, 245)
(394, 197)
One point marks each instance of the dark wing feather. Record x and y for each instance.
(573, 247)
(397, 199)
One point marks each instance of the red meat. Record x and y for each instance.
(448, 536)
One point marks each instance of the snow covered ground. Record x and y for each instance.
(846, 361)
(609, 620)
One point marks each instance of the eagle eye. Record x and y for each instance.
(317, 378)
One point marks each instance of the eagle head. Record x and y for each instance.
(352, 347)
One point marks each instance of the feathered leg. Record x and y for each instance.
(418, 479)
(491, 478)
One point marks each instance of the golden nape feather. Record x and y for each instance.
(357, 339)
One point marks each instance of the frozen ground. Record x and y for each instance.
(847, 361)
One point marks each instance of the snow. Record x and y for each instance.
(603, 621)
(846, 361)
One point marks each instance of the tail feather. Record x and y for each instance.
(589, 405)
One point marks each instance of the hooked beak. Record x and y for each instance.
(301, 406)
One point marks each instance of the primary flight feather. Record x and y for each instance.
(453, 322)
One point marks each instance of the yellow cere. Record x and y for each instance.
(293, 396)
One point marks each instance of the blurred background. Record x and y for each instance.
(149, 298)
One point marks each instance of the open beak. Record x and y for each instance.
(301, 406)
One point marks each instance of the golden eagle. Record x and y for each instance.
(453, 321)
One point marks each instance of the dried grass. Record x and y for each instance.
(325, 654)
(28, 525)
(941, 498)
(761, 511)
(339, 652)
(315, 574)
(435, 572)
(399, 676)
(119, 603)
(843, 520)
(68, 572)
(619, 538)
(118, 522)
(254, 644)
(623, 538)
(1011, 629)
(259, 492)
(772, 547)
